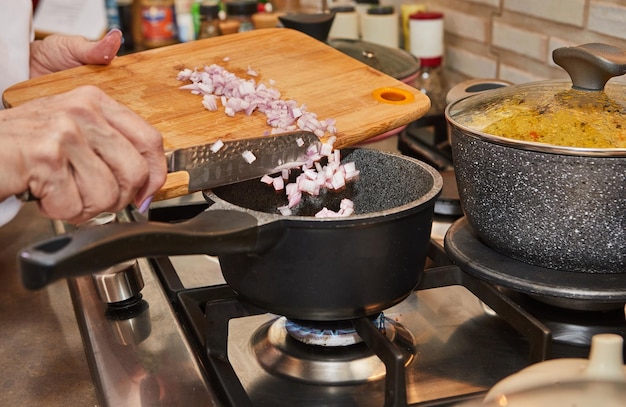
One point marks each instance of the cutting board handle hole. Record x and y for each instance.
(395, 96)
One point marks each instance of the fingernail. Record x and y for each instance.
(145, 204)
(112, 31)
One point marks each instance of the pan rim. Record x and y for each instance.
(425, 200)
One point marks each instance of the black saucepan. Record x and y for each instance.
(298, 266)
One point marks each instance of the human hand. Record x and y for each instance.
(80, 153)
(58, 52)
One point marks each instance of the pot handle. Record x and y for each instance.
(471, 87)
(86, 251)
(591, 65)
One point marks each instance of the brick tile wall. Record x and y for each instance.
(514, 39)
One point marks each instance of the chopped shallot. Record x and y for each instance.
(278, 183)
(284, 210)
(314, 177)
(245, 95)
(248, 156)
(217, 146)
(267, 179)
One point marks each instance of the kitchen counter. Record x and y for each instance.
(41, 352)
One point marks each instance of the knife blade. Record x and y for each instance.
(227, 165)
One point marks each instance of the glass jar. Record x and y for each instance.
(158, 23)
(209, 21)
(346, 23)
(426, 43)
(380, 26)
(242, 11)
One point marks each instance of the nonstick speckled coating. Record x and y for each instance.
(559, 211)
(385, 182)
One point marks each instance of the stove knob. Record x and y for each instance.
(119, 283)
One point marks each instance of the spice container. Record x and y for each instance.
(346, 23)
(184, 20)
(406, 10)
(125, 13)
(380, 26)
(361, 9)
(265, 20)
(426, 39)
(241, 11)
(426, 34)
(158, 23)
(209, 21)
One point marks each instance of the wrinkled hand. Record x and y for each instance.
(81, 153)
(58, 52)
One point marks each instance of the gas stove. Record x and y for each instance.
(186, 338)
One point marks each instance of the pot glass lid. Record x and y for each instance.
(396, 63)
(585, 112)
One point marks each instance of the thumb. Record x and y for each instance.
(100, 52)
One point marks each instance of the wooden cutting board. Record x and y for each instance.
(330, 84)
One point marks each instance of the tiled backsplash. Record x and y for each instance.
(513, 39)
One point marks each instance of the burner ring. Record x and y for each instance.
(281, 355)
(323, 336)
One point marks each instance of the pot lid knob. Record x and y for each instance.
(591, 65)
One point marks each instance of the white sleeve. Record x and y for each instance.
(8, 209)
(15, 37)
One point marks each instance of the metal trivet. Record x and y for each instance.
(466, 250)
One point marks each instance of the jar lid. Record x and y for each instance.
(210, 10)
(316, 25)
(426, 15)
(343, 9)
(569, 116)
(235, 8)
(431, 62)
(380, 10)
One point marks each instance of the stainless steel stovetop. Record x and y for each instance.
(149, 354)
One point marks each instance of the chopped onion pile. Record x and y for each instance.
(219, 86)
(315, 177)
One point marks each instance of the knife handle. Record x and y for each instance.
(176, 185)
(26, 196)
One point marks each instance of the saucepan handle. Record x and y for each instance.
(85, 251)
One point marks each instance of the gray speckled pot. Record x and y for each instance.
(556, 210)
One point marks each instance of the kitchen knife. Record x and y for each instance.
(239, 160)
(209, 166)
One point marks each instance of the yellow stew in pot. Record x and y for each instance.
(570, 119)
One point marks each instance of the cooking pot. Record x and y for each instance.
(550, 205)
(597, 381)
(298, 266)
